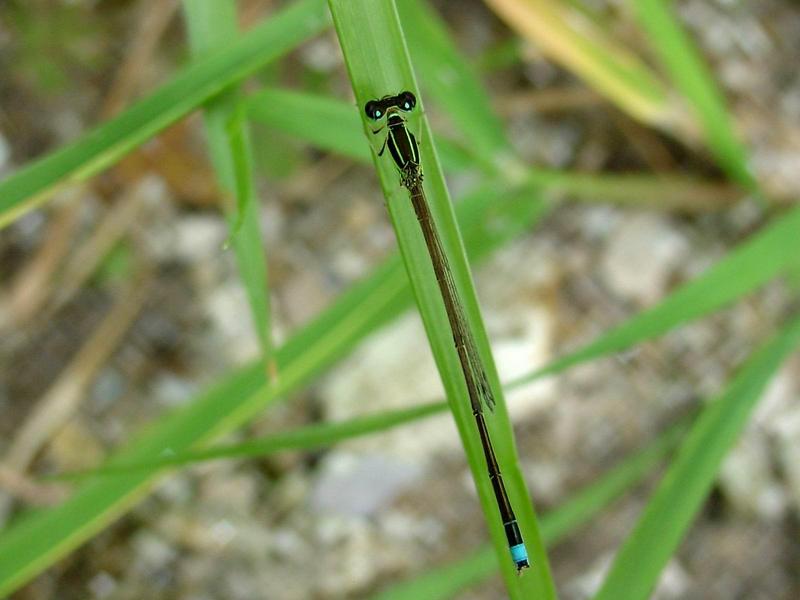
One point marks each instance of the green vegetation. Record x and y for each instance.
(386, 48)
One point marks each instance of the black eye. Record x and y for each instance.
(407, 101)
(373, 110)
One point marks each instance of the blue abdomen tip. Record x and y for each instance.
(519, 555)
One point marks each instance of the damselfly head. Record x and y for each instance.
(379, 108)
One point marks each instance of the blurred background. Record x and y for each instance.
(120, 301)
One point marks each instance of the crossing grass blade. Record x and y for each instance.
(212, 25)
(39, 539)
(304, 438)
(335, 126)
(375, 53)
(190, 88)
(445, 582)
(692, 77)
(448, 79)
(746, 268)
(689, 478)
(330, 124)
(568, 37)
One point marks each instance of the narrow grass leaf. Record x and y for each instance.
(445, 582)
(668, 192)
(304, 438)
(448, 78)
(239, 148)
(107, 143)
(38, 540)
(568, 37)
(746, 268)
(686, 67)
(335, 126)
(686, 484)
(375, 53)
(330, 124)
(212, 25)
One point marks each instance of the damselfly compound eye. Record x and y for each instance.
(406, 100)
(373, 110)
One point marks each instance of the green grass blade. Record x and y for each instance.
(212, 25)
(762, 258)
(330, 124)
(639, 190)
(378, 64)
(448, 78)
(194, 85)
(445, 582)
(570, 38)
(689, 478)
(687, 70)
(310, 437)
(36, 542)
(334, 126)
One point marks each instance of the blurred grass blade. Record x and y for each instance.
(749, 266)
(445, 582)
(195, 84)
(668, 192)
(212, 25)
(696, 82)
(35, 542)
(686, 484)
(569, 38)
(317, 120)
(377, 61)
(449, 79)
(303, 438)
(330, 124)
(241, 158)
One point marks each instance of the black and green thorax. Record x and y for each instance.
(399, 140)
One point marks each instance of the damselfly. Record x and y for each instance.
(404, 151)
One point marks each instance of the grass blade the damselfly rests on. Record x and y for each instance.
(378, 64)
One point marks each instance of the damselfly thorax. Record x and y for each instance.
(399, 140)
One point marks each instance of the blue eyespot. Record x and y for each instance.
(378, 113)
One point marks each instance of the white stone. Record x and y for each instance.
(747, 478)
(642, 253)
(360, 485)
(199, 238)
(229, 311)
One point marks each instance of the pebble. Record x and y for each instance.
(643, 252)
(360, 485)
